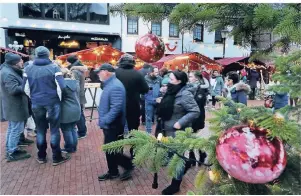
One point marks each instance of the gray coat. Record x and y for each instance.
(71, 110)
(79, 73)
(14, 100)
(185, 110)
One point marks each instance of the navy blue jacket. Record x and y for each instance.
(280, 100)
(43, 82)
(254, 77)
(112, 105)
(152, 95)
(239, 93)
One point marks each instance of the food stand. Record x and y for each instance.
(187, 61)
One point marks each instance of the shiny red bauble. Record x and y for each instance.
(246, 154)
(149, 48)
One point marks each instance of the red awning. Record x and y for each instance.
(228, 61)
(13, 51)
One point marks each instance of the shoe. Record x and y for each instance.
(41, 160)
(17, 155)
(107, 176)
(25, 142)
(61, 160)
(126, 175)
(66, 152)
(173, 188)
(82, 137)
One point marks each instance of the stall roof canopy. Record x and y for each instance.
(193, 56)
(10, 50)
(228, 61)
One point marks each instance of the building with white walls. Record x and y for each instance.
(66, 28)
(199, 40)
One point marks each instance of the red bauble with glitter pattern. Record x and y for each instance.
(149, 48)
(247, 155)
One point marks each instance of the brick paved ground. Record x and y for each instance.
(79, 175)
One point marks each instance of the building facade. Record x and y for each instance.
(66, 28)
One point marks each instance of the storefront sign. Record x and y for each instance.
(100, 39)
(20, 34)
(71, 44)
(64, 37)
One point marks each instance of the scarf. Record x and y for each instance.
(165, 108)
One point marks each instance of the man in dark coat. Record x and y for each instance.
(253, 78)
(78, 70)
(112, 110)
(15, 105)
(135, 85)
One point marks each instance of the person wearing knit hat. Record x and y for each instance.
(177, 110)
(15, 105)
(42, 52)
(135, 85)
(72, 59)
(44, 84)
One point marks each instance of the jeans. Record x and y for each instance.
(42, 126)
(14, 130)
(70, 136)
(142, 110)
(149, 113)
(253, 93)
(115, 159)
(81, 124)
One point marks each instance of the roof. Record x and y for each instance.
(228, 61)
(13, 51)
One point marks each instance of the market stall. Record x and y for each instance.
(3, 51)
(187, 61)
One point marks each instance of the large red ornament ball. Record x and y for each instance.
(150, 48)
(247, 155)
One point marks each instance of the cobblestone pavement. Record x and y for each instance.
(79, 175)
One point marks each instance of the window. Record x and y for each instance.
(156, 28)
(218, 37)
(98, 12)
(198, 33)
(31, 10)
(132, 25)
(54, 10)
(77, 11)
(173, 30)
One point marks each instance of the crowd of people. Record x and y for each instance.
(54, 97)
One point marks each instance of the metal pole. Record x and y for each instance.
(224, 47)
(182, 41)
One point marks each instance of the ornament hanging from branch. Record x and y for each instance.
(150, 48)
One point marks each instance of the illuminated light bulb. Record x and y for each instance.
(160, 136)
(80, 56)
(98, 54)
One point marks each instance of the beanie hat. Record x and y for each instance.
(72, 59)
(12, 59)
(126, 59)
(181, 75)
(42, 52)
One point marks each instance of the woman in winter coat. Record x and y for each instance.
(70, 111)
(237, 91)
(177, 110)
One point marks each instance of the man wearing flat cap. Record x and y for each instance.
(112, 111)
(15, 105)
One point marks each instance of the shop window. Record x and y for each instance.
(54, 11)
(156, 28)
(31, 10)
(132, 25)
(198, 33)
(77, 11)
(173, 30)
(98, 12)
(218, 37)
